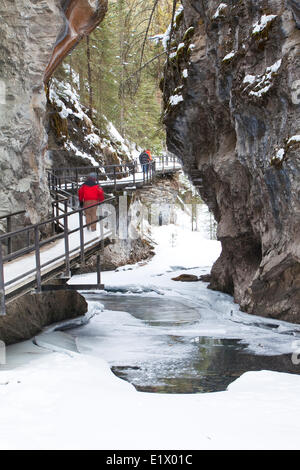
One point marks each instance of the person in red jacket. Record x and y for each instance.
(90, 193)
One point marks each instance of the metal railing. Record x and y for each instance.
(8, 225)
(111, 176)
(35, 232)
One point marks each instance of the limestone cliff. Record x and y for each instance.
(35, 36)
(232, 112)
(28, 30)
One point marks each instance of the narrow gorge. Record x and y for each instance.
(231, 94)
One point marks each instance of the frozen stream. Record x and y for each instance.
(166, 336)
(162, 344)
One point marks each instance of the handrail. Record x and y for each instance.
(60, 186)
(12, 214)
(38, 244)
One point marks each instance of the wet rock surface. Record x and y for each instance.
(186, 278)
(29, 314)
(232, 105)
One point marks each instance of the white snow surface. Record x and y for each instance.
(280, 154)
(175, 99)
(229, 56)
(53, 397)
(263, 23)
(294, 139)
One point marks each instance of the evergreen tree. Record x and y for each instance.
(112, 80)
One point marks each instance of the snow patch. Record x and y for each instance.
(165, 38)
(264, 21)
(261, 84)
(294, 139)
(174, 100)
(229, 56)
(220, 10)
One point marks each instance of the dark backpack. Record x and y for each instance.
(144, 158)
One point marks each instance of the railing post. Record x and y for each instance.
(76, 178)
(53, 216)
(37, 258)
(28, 237)
(117, 219)
(2, 285)
(115, 179)
(133, 173)
(82, 257)
(101, 222)
(66, 206)
(9, 240)
(67, 248)
(73, 197)
(98, 269)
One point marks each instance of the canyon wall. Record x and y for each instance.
(28, 31)
(232, 113)
(35, 36)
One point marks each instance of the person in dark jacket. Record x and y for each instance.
(90, 193)
(144, 161)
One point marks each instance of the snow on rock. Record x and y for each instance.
(279, 156)
(165, 38)
(294, 139)
(174, 100)
(71, 147)
(264, 21)
(180, 46)
(249, 79)
(259, 85)
(220, 10)
(229, 56)
(83, 139)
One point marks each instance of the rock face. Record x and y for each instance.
(28, 30)
(28, 315)
(80, 18)
(34, 38)
(232, 101)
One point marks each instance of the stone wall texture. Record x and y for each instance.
(28, 31)
(232, 111)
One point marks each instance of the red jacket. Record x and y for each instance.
(90, 192)
(149, 153)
